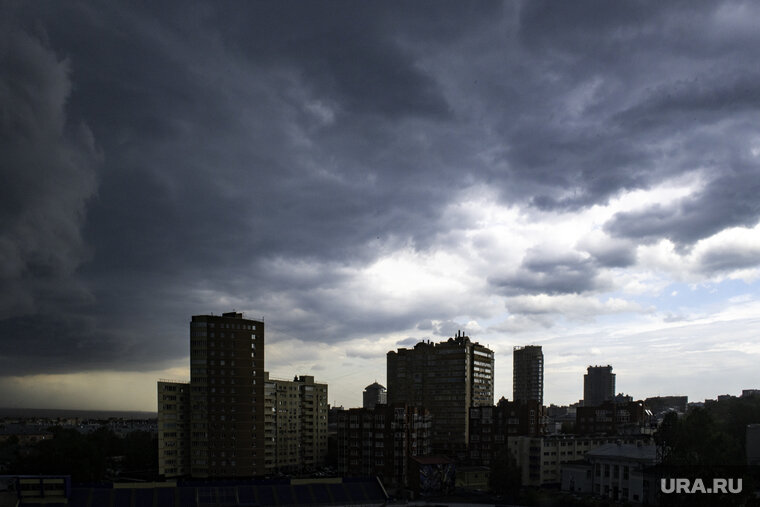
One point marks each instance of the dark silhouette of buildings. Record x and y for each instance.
(447, 378)
(490, 427)
(598, 385)
(379, 441)
(227, 396)
(231, 420)
(660, 405)
(295, 424)
(173, 428)
(225, 406)
(610, 418)
(374, 394)
(528, 374)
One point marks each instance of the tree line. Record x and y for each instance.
(96, 456)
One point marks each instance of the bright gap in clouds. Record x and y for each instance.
(634, 305)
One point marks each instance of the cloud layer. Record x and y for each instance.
(364, 172)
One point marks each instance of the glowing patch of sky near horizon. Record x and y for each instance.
(488, 238)
(90, 390)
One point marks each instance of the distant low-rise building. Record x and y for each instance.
(660, 405)
(615, 471)
(24, 435)
(540, 458)
(611, 418)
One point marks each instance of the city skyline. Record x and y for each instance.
(582, 177)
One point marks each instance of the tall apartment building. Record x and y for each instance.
(173, 428)
(598, 385)
(374, 394)
(447, 378)
(295, 424)
(528, 374)
(379, 441)
(226, 396)
(231, 420)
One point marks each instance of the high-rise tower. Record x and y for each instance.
(598, 385)
(447, 378)
(226, 396)
(528, 374)
(374, 394)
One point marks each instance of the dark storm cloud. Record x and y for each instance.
(545, 273)
(622, 96)
(48, 173)
(729, 200)
(256, 155)
(229, 141)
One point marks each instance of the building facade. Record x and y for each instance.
(661, 405)
(374, 394)
(490, 427)
(231, 420)
(295, 424)
(380, 441)
(528, 374)
(598, 385)
(541, 459)
(615, 471)
(173, 428)
(313, 421)
(611, 418)
(447, 378)
(226, 396)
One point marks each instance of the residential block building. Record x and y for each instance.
(447, 378)
(374, 394)
(616, 471)
(380, 441)
(216, 422)
(598, 385)
(226, 396)
(231, 420)
(295, 424)
(611, 418)
(173, 428)
(490, 427)
(541, 459)
(528, 374)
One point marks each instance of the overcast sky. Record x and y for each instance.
(364, 175)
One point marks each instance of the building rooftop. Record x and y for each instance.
(627, 451)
